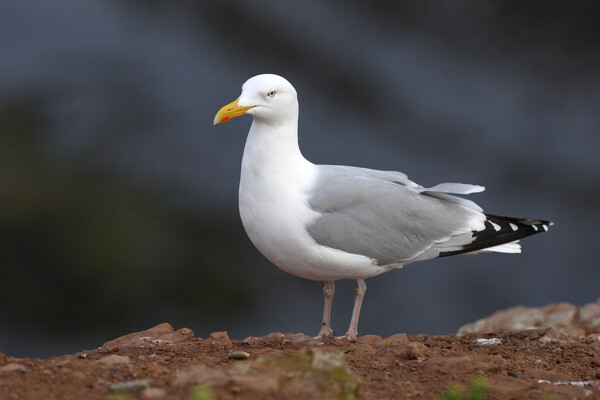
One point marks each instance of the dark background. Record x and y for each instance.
(118, 198)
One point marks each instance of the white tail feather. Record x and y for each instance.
(511, 247)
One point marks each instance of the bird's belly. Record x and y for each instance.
(277, 228)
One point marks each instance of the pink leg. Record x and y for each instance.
(326, 330)
(359, 294)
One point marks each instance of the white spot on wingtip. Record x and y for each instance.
(513, 226)
(545, 227)
(496, 226)
(535, 228)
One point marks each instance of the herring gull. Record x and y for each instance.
(330, 222)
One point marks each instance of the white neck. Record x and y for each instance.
(272, 149)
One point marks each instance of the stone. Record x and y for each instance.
(13, 367)
(589, 317)
(251, 340)
(298, 338)
(219, 336)
(238, 355)
(414, 351)
(369, 339)
(560, 316)
(274, 336)
(399, 339)
(487, 342)
(131, 386)
(160, 334)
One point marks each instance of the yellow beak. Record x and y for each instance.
(229, 111)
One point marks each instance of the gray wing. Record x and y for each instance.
(385, 216)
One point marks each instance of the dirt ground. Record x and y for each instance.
(161, 363)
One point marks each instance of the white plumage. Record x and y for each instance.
(325, 222)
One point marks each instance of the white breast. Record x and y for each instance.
(273, 199)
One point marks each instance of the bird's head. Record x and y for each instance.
(267, 98)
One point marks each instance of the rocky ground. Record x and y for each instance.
(521, 353)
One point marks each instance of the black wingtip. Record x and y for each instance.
(499, 230)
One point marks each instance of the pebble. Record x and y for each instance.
(130, 386)
(185, 331)
(13, 367)
(487, 342)
(399, 339)
(413, 352)
(219, 336)
(63, 363)
(238, 355)
(369, 339)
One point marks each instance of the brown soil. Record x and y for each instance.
(164, 364)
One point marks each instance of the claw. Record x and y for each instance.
(325, 333)
(346, 337)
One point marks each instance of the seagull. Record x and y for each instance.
(331, 222)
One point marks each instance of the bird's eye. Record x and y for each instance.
(271, 93)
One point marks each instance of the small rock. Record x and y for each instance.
(560, 316)
(299, 338)
(513, 374)
(589, 317)
(219, 336)
(114, 359)
(63, 363)
(160, 334)
(238, 355)
(153, 393)
(13, 367)
(185, 332)
(413, 352)
(399, 339)
(131, 386)
(251, 340)
(487, 342)
(82, 355)
(274, 336)
(369, 339)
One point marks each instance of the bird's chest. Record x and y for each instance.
(274, 209)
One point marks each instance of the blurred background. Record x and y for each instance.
(118, 198)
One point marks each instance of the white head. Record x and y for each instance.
(268, 98)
